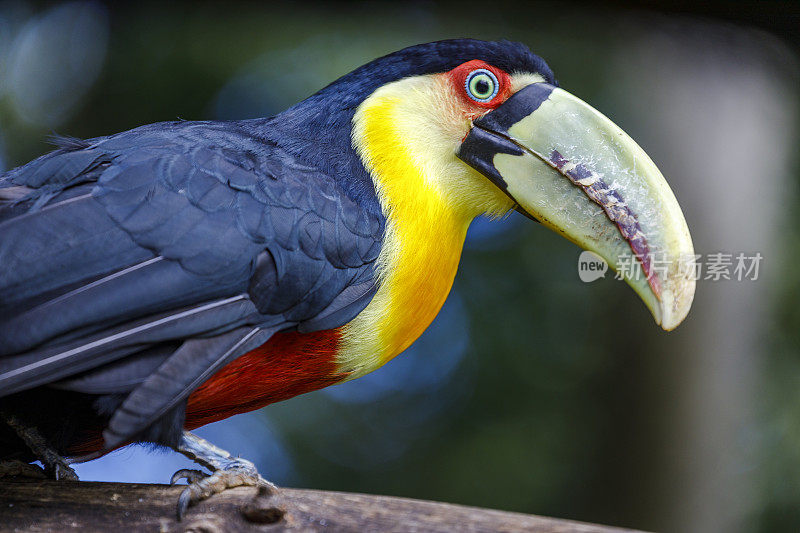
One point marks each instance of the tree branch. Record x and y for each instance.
(89, 506)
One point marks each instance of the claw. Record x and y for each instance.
(61, 471)
(183, 503)
(190, 475)
(239, 472)
(228, 472)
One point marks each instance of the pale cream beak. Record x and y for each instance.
(569, 167)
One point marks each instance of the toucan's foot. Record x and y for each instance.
(21, 469)
(227, 472)
(55, 466)
(238, 473)
(60, 470)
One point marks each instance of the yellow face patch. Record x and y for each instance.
(407, 134)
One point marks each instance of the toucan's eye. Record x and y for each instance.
(481, 85)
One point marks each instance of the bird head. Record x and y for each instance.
(484, 128)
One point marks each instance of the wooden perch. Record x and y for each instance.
(117, 507)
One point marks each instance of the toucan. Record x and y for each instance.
(159, 279)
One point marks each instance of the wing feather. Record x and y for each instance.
(195, 233)
(175, 379)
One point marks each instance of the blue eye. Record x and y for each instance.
(481, 85)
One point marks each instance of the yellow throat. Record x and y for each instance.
(426, 223)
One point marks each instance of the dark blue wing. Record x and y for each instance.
(169, 232)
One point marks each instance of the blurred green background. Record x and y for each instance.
(532, 391)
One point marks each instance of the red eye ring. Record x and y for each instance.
(460, 78)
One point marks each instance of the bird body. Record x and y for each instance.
(162, 278)
(143, 225)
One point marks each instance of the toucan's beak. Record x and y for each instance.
(571, 168)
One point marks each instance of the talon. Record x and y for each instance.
(227, 472)
(63, 472)
(189, 474)
(238, 473)
(183, 502)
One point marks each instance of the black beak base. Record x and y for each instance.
(489, 134)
